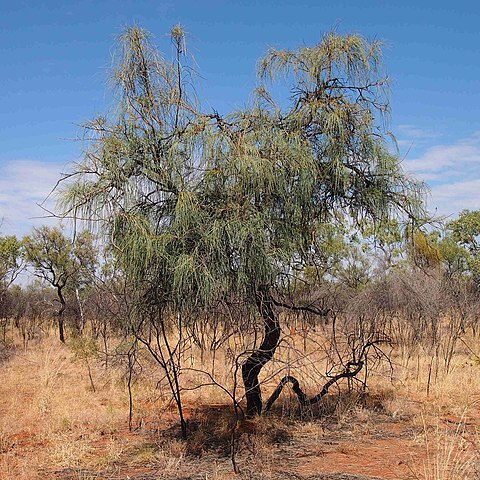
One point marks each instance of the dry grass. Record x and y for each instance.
(50, 416)
(53, 425)
(451, 452)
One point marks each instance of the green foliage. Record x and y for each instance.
(455, 257)
(466, 232)
(330, 248)
(385, 233)
(84, 348)
(56, 259)
(10, 262)
(200, 208)
(9, 252)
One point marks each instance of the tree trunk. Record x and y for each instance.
(80, 307)
(254, 364)
(61, 331)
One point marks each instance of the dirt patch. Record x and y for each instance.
(388, 451)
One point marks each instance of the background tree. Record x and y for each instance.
(424, 251)
(465, 230)
(454, 257)
(205, 210)
(10, 261)
(11, 264)
(64, 264)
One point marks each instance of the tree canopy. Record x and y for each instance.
(202, 208)
(465, 231)
(11, 264)
(10, 259)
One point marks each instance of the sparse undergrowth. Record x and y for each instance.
(55, 425)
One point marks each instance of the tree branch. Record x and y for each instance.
(351, 370)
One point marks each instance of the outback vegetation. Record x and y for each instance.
(270, 273)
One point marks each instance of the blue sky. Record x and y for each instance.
(54, 58)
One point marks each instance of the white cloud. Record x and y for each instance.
(453, 174)
(452, 157)
(412, 133)
(23, 185)
(451, 198)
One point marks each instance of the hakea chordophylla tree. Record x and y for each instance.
(201, 207)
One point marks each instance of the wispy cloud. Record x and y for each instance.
(453, 173)
(411, 132)
(451, 198)
(409, 136)
(23, 185)
(464, 153)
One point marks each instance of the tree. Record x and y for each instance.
(424, 251)
(465, 230)
(205, 210)
(11, 264)
(60, 262)
(455, 257)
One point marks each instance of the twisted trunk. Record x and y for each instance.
(351, 370)
(254, 364)
(302, 396)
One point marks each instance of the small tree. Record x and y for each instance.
(203, 209)
(11, 263)
(60, 262)
(466, 232)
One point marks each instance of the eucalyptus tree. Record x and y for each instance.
(64, 264)
(204, 209)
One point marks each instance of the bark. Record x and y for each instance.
(351, 370)
(254, 364)
(302, 397)
(61, 331)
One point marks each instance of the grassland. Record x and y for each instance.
(64, 418)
